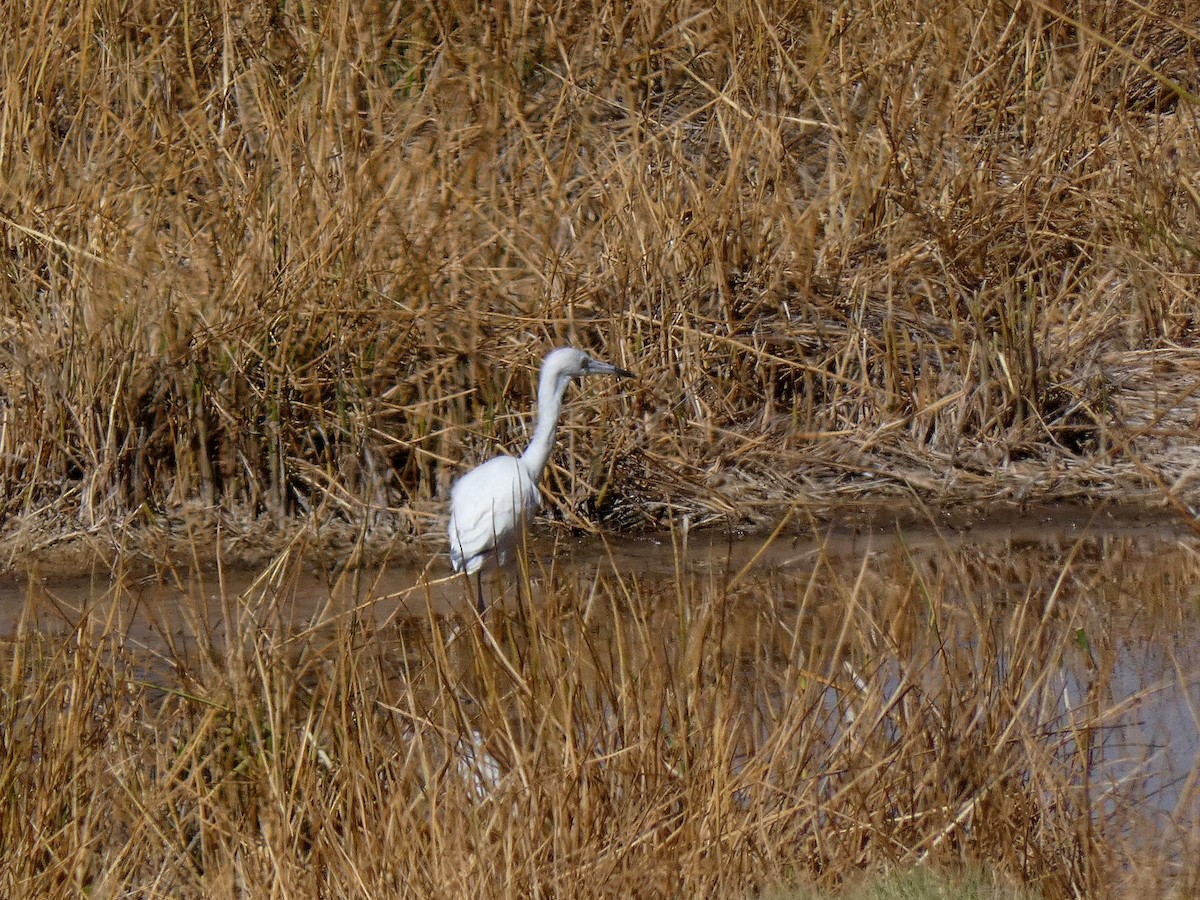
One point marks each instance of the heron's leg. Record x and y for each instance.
(479, 604)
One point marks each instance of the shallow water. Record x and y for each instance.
(1114, 599)
(152, 596)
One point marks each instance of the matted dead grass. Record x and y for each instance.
(272, 262)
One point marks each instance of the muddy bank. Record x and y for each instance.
(415, 539)
(413, 575)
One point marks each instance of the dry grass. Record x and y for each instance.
(272, 263)
(274, 260)
(695, 735)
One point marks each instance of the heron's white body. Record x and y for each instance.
(485, 521)
(490, 506)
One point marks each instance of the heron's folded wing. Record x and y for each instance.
(485, 507)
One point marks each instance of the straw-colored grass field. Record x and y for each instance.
(269, 263)
(275, 273)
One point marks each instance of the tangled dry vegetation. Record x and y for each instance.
(693, 735)
(278, 261)
(270, 263)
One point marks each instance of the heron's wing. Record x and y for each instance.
(487, 506)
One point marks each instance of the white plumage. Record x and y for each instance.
(491, 505)
(487, 506)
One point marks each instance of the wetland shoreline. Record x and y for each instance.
(242, 543)
(1014, 692)
(904, 277)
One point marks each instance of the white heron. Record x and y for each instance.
(491, 504)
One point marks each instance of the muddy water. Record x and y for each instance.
(1115, 601)
(149, 598)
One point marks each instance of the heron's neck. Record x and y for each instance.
(549, 405)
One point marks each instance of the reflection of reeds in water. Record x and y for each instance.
(684, 736)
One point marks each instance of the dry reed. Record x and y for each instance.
(269, 262)
(699, 734)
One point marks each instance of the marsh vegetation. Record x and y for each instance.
(275, 272)
(709, 729)
(281, 262)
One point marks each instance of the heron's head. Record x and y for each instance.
(567, 362)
